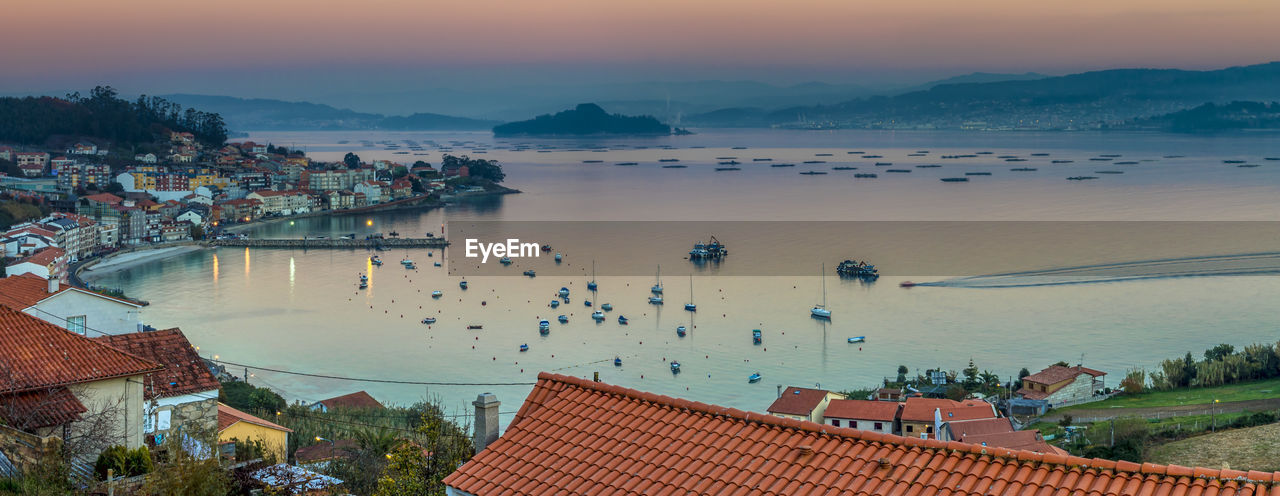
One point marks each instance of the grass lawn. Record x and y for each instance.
(1255, 448)
(1256, 390)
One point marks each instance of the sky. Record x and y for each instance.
(302, 48)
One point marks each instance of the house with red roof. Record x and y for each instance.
(356, 400)
(75, 309)
(875, 416)
(803, 403)
(575, 436)
(182, 398)
(923, 417)
(1060, 386)
(48, 263)
(56, 381)
(237, 426)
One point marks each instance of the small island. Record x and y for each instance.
(586, 119)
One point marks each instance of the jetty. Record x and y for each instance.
(336, 243)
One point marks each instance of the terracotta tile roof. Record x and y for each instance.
(184, 372)
(967, 412)
(1019, 440)
(358, 399)
(228, 416)
(573, 436)
(40, 355)
(325, 451)
(1032, 394)
(1057, 373)
(45, 257)
(40, 408)
(797, 401)
(921, 409)
(107, 198)
(862, 410)
(26, 290)
(962, 428)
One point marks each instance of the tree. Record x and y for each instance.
(115, 188)
(1022, 374)
(1189, 370)
(197, 232)
(956, 392)
(1218, 352)
(1134, 382)
(352, 160)
(902, 374)
(1066, 421)
(970, 376)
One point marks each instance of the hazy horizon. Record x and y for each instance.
(315, 50)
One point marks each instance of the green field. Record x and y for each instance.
(1258, 390)
(1255, 448)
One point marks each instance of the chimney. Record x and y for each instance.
(53, 285)
(779, 390)
(486, 420)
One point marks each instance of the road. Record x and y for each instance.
(1158, 412)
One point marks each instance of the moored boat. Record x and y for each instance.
(857, 339)
(754, 378)
(429, 320)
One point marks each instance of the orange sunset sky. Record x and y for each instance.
(165, 46)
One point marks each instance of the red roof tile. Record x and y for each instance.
(862, 410)
(228, 416)
(921, 409)
(107, 198)
(574, 436)
(797, 401)
(40, 355)
(40, 408)
(968, 412)
(1020, 440)
(184, 371)
(1057, 373)
(358, 399)
(44, 257)
(962, 428)
(325, 451)
(26, 290)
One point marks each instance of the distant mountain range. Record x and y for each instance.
(585, 119)
(1091, 99)
(264, 114)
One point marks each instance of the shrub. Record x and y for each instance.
(123, 462)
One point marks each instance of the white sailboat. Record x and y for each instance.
(821, 311)
(657, 286)
(690, 306)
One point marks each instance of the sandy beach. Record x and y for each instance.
(124, 261)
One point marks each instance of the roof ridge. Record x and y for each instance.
(845, 432)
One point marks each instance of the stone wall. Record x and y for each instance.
(1078, 391)
(25, 450)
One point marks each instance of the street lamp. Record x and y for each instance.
(1213, 421)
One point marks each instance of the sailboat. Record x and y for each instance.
(690, 306)
(821, 311)
(657, 286)
(591, 285)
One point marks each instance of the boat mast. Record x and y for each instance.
(824, 285)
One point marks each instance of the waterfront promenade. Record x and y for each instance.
(336, 243)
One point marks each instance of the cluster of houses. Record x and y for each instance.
(189, 191)
(76, 364)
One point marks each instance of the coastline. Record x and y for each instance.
(406, 204)
(125, 260)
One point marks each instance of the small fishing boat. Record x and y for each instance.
(530, 273)
(906, 284)
(437, 264)
(559, 258)
(675, 367)
(857, 339)
(410, 266)
(462, 284)
(690, 306)
(377, 262)
(591, 285)
(364, 278)
(563, 319)
(655, 299)
(364, 285)
(406, 261)
(756, 338)
(622, 320)
(524, 347)
(555, 303)
(597, 315)
(754, 378)
(437, 293)
(586, 303)
(608, 307)
(505, 260)
(475, 326)
(564, 291)
(546, 248)
(617, 361)
(680, 331)
(429, 320)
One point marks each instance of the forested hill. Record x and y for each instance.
(103, 115)
(586, 119)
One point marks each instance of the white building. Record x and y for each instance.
(875, 416)
(70, 308)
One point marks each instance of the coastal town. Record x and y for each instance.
(93, 202)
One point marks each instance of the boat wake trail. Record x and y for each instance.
(1201, 266)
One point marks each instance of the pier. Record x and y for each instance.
(336, 243)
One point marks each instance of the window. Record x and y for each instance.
(911, 428)
(76, 324)
(853, 424)
(879, 426)
(929, 429)
(835, 422)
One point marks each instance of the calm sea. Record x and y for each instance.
(301, 311)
